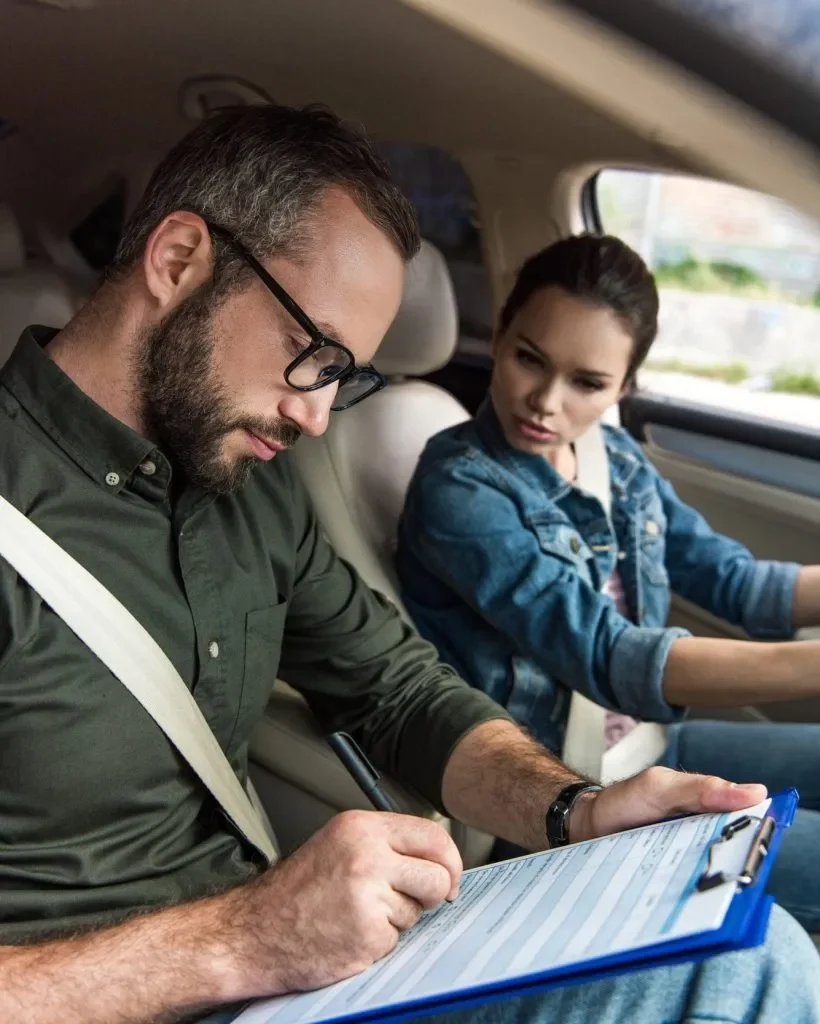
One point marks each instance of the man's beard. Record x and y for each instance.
(184, 405)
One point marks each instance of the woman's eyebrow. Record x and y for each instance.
(533, 346)
(579, 369)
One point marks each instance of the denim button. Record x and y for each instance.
(575, 545)
(652, 528)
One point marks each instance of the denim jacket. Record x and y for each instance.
(501, 563)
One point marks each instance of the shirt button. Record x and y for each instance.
(652, 528)
(112, 479)
(148, 468)
(213, 649)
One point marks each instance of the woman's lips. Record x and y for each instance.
(532, 432)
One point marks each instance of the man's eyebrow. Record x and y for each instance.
(330, 332)
(579, 369)
(326, 328)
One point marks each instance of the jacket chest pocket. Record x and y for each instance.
(264, 630)
(562, 541)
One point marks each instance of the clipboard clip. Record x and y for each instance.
(757, 854)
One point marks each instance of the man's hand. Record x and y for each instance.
(340, 902)
(655, 794)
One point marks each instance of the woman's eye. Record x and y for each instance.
(526, 358)
(589, 384)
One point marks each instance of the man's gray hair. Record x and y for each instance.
(259, 173)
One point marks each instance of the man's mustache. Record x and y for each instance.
(278, 431)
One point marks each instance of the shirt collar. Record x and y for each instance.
(103, 447)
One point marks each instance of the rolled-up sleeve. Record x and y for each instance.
(471, 535)
(362, 669)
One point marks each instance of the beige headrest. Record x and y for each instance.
(423, 336)
(12, 246)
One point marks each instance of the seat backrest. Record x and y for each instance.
(30, 293)
(358, 472)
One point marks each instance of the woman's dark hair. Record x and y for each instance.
(601, 270)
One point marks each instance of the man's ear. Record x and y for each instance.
(177, 258)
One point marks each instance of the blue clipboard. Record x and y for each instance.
(743, 927)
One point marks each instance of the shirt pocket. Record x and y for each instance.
(264, 630)
(560, 540)
(651, 525)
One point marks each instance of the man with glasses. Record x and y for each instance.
(250, 291)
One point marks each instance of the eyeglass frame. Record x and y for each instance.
(318, 339)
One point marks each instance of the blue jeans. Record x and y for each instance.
(776, 983)
(778, 755)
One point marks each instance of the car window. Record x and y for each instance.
(739, 279)
(441, 192)
(786, 32)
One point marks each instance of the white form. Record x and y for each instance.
(525, 916)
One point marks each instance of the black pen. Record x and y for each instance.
(364, 774)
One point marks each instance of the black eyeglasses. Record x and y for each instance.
(323, 361)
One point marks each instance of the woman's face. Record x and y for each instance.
(558, 367)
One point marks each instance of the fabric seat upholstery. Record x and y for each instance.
(30, 292)
(357, 475)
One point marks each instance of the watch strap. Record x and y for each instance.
(557, 822)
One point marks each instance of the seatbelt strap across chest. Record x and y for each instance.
(134, 657)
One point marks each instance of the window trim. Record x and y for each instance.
(590, 210)
(644, 408)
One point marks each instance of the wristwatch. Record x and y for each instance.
(560, 810)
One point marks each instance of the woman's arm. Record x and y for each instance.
(722, 576)
(806, 610)
(719, 673)
(470, 535)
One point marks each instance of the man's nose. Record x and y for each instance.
(310, 410)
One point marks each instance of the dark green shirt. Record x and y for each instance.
(99, 815)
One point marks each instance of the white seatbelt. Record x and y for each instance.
(134, 657)
(584, 741)
(584, 738)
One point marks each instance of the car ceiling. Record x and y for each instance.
(86, 85)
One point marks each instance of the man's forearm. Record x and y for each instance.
(501, 781)
(806, 610)
(155, 968)
(712, 672)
